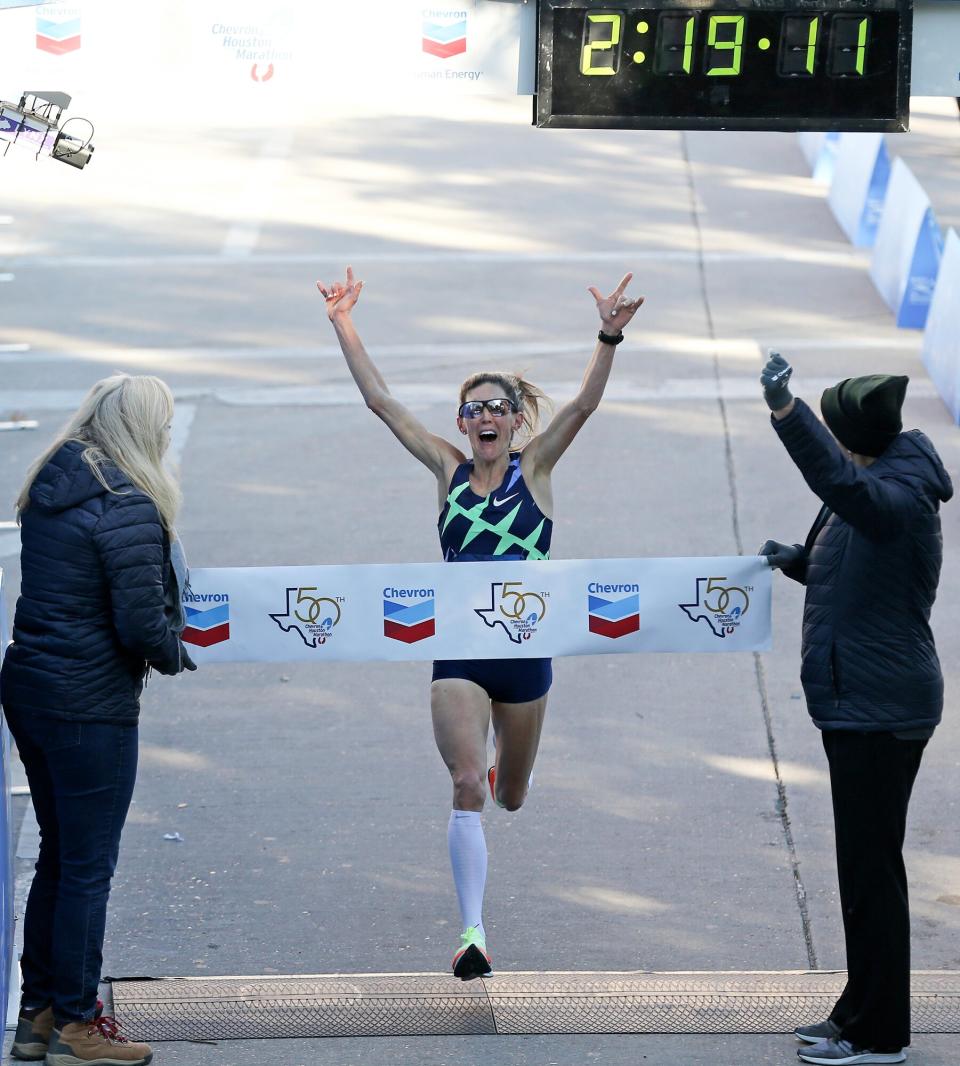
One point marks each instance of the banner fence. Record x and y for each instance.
(7, 969)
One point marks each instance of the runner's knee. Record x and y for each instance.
(469, 790)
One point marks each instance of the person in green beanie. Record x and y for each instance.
(870, 673)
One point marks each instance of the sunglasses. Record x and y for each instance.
(498, 408)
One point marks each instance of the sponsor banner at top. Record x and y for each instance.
(482, 610)
(384, 49)
(58, 29)
(247, 57)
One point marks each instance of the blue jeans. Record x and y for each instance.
(81, 777)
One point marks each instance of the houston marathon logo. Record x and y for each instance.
(409, 615)
(515, 610)
(721, 606)
(444, 31)
(208, 618)
(613, 617)
(311, 616)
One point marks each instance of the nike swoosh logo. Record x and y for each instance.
(507, 499)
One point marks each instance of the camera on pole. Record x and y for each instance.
(35, 121)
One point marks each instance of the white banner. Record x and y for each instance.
(480, 610)
(171, 62)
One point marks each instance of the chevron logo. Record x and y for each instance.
(208, 625)
(58, 35)
(445, 38)
(409, 622)
(614, 618)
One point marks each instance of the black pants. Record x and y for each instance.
(871, 777)
(81, 779)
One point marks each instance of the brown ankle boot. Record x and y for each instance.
(33, 1035)
(97, 1041)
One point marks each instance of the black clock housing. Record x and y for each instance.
(725, 64)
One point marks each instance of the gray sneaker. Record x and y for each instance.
(843, 1053)
(813, 1034)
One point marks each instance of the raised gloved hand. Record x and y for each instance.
(775, 378)
(780, 555)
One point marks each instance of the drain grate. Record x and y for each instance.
(338, 1005)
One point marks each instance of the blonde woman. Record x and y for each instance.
(99, 607)
(497, 504)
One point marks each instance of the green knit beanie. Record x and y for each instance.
(864, 413)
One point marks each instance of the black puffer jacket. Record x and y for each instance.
(90, 617)
(871, 567)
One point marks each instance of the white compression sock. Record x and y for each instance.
(468, 859)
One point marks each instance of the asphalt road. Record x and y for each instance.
(312, 803)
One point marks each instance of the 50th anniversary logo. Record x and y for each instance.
(311, 617)
(721, 606)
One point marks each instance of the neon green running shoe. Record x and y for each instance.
(472, 960)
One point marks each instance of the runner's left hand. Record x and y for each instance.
(616, 310)
(341, 297)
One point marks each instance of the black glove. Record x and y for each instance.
(774, 378)
(186, 661)
(781, 556)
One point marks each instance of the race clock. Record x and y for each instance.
(725, 64)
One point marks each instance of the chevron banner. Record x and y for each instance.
(58, 29)
(478, 610)
(445, 36)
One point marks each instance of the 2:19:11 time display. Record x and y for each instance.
(833, 44)
(724, 64)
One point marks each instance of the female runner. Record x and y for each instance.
(496, 504)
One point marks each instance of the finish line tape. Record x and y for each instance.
(478, 610)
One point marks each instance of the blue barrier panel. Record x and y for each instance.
(820, 151)
(906, 255)
(861, 171)
(6, 835)
(941, 340)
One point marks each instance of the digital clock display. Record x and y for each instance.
(725, 64)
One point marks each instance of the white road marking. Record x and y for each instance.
(28, 842)
(6, 277)
(741, 347)
(670, 390)
(14, 347)
(183, 417)
(264, 175)
(845, 257)
(28, 848)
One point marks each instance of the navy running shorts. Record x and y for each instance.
(503, 680)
